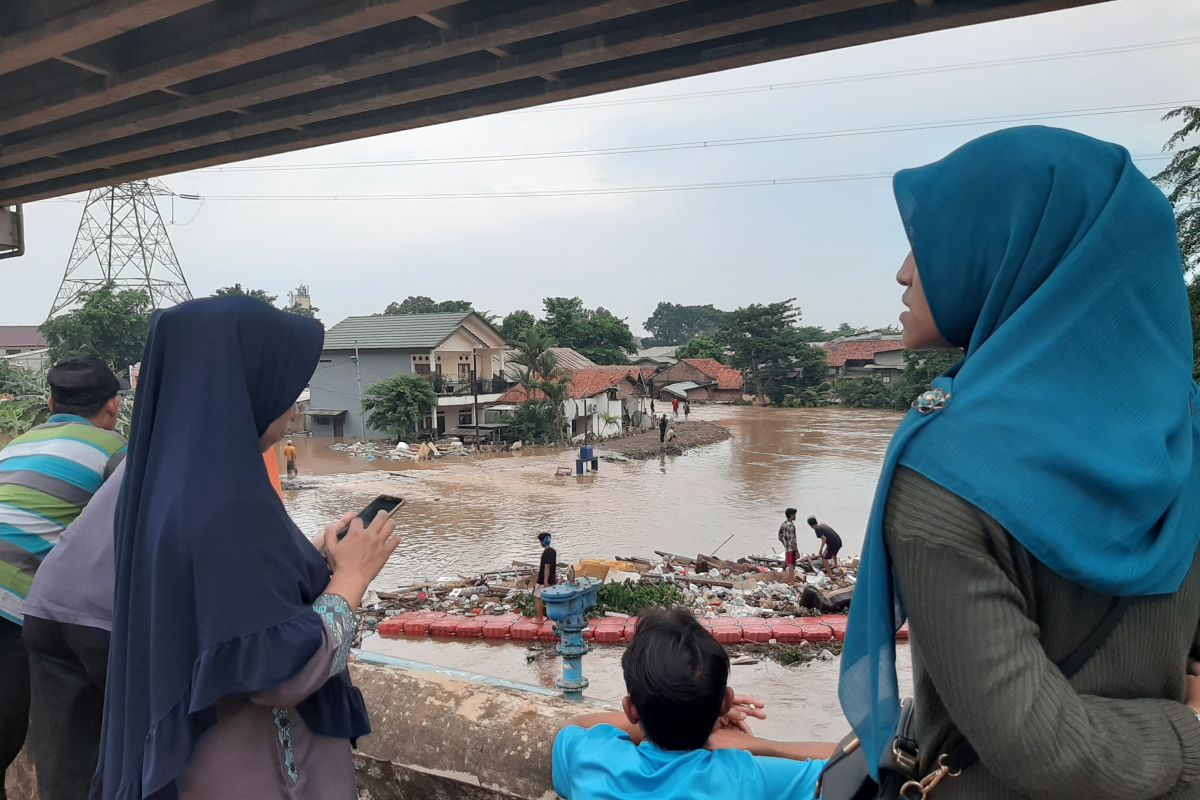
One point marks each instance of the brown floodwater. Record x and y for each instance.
(466, 515)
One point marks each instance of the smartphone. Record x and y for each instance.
(385, 502)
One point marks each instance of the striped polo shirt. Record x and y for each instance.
(47, 476)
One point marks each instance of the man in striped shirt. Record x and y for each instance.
(47, 476)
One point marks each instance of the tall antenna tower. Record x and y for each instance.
(122, 240)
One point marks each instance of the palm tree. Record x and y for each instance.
(537, 370)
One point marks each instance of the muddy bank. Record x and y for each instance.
(693, 433)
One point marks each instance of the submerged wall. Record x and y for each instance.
(438, 735)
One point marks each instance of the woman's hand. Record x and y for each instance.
(360, 555)
(740, 710)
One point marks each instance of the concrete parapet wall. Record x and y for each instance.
(437, 735)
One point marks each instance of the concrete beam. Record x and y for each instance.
(887, 22)
(259, 30)
(530, 22)
(635, 39)
(83, 27)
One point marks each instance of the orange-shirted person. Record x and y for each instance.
(289, 454)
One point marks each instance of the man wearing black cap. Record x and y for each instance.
(47, 476)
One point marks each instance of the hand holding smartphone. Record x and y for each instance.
(384, 502)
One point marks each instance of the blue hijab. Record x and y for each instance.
(1054, 263)
(214, 582)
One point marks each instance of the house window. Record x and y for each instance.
(319, 420)
(464, 372)
(464, 418)
(421, 369)
(887, 378)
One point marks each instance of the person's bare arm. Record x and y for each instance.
(736, 739)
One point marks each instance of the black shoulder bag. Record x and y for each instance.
(846, 777)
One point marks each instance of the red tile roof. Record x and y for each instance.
(584, 383)
(726, 377)
(838, 353)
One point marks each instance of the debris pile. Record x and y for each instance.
(402, 451)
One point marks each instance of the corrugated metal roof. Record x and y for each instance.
(391, 331)
(21, 336)
(681, 389)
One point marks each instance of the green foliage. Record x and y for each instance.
(302, 311)
(631, 598)
(671, 324)
(920, 369)
(112, 325)
(1182, 177)
(419, 304)
(868, 393)
(534, 421)
(846, 329)
(596, 333)
(540, 418)
(767, 347)
(237, 291)
(814, 333)
(702, 347)
(524, 601)
(399, 403)
(515, 324)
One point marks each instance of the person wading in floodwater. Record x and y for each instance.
(662, 429)
(289, 455)
(547, 574)
(1038, 510)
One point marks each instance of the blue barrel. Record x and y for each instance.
(585, 453)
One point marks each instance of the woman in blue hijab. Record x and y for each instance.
(1053, 468)
(227, 671)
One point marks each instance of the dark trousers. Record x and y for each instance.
(68, 665)
(662, 435)
(14, 696)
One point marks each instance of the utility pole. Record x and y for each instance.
(475, 389)
(362, 417)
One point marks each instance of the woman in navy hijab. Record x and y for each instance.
(227, 672)
(1051, 470)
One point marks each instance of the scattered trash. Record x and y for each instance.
(745, 660)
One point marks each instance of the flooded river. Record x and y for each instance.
(465, 515)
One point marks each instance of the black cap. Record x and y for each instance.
(82, 382)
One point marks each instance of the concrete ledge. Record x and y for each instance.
(438, 734)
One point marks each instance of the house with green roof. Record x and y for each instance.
(460, 352)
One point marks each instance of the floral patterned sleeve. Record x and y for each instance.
(341, 623)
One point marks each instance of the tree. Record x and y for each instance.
(846, 329)
(672, 323)
(763, 340)
(399, 403)
(302, 311)
(112, 325)
(420, 304)
(541, 417)
(596, 333)
(237, 291)
(702, 347)
(814, 333)
(1182, 176)
(515, 324)
(920, 368)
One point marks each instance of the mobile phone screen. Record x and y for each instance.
(385, 502)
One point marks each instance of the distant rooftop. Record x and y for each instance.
(23, 336)
(390, 331)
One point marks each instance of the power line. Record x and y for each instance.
(679, 187)
(869, 76)
(714, 143)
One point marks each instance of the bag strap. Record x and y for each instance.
(963, 754)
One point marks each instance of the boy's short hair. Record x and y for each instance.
(676, 674)
(789, 512)
(812, 520)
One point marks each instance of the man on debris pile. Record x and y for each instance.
(547, 575)
(787, 537)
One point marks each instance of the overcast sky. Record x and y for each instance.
(833, 245)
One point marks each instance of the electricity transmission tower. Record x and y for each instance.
(122, 240)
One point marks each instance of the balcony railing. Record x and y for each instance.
(449, 387)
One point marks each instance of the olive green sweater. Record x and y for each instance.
(988, 623)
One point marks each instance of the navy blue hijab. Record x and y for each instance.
(214, 581)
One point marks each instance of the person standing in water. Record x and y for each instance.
(547, 575)
(289, 454)
(687, 408)
(662, 429)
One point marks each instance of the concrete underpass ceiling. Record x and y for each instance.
(96, 92)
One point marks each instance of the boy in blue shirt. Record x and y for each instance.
(683, 733)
